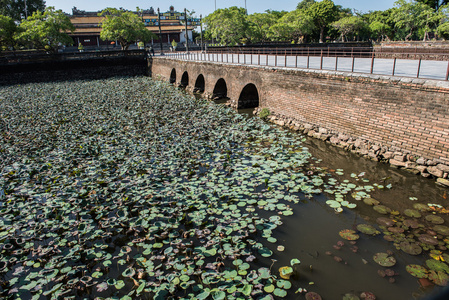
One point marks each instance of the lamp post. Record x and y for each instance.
(201, 32)
(26, 13)
(187, 34)
(160, 30)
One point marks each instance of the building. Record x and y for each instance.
(88, 28)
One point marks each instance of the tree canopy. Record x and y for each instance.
(46, 30)
(229, 25)
(8, 31)
(123, 26)
(16, 8)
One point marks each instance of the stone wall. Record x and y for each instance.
(400, 120)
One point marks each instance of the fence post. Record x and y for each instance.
(258, 57)
(372, 63)
(394, 66)
(419, 68)
(308, 60)
(296, 61)
(336, 63)
(353, 63)
(321, 62)
(244, 58)
(266, 63)
(285, 58)
(447, 73)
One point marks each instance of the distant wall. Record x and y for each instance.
(62, 70)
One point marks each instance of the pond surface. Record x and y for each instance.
(129, 189)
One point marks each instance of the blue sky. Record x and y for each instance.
(206, 7)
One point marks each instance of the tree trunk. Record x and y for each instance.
(322, 35)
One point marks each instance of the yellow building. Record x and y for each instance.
(87, 26)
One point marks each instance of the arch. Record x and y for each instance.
(220, 89)
(199, 84)
(184, 79)
(173, 76)
(249, 97)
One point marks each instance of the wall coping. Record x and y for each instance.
(440, 85)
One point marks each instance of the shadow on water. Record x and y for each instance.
(312, 235)
(334, 267)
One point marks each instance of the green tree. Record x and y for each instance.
(305, 4)
(323, 14)
(228, 25)
(443, 28)
(123, 26)
(435, 4)
(260, 23)
(294, 26)
(46, 30)
(412, 15)
(8, 31)
(381, 24)
(16, 8)
(380, 30)
(352, 25)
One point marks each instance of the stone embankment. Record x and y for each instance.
(394, 156)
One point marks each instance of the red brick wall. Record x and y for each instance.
(407, 115)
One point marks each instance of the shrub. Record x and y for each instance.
(264, 113)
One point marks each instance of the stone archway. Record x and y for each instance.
(220, 89)
(199, 84)
(184, 80)
(173, 76)
(249, 97)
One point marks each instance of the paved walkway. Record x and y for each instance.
(404, 67)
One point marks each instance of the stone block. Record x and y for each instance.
(397, 163)
(443, 181)
(435, 171)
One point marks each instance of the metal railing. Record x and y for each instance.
(357, 60)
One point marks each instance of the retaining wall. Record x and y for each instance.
(400, 120)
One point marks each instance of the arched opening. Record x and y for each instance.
(199, 84)
(184, 80)
(220, 90)
(249, 97)
(173, 76)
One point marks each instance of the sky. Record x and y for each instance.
(206, 7)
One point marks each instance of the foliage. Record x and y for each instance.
(260, 23)
(412, 15)
(8, 30)
(349, 25)
(379, 29)
(435, 4)
(16, 8)
(294, 26)
(124, 26)
(265, 112)
(46, 30)
(305, 4)
(228, 25)
(443, 30)
(323, 13)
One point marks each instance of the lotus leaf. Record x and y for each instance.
(382, 209)
(280, 292)
(269, 288)
(367, 229)
(371, 201)
(439, 278)
(441, 229)
(410, 248)
(384, 259)
(434, 219)
(412, 213)
(417, 271)
(312, 296)
(349, 235)
(436, 265)
(350, 297)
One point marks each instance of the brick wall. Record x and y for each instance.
(400, 114)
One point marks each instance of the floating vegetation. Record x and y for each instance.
(144, 192)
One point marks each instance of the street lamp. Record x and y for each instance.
(26, 14)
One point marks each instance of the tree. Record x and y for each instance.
(294, 26)
(443, 28)
(323, 13)
(380, 30)
(435, 4)
(229, 25)
(123, 26)
(16, 8)
(305, 4)
(46, 30)
(349, 25)
(8, 30)
(259, 25)
(413, 15)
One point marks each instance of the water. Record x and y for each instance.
(314, 229)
